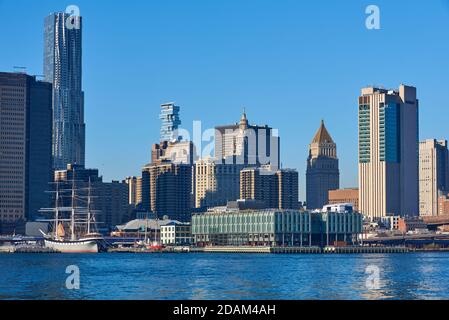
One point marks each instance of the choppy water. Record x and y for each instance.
(226, 276)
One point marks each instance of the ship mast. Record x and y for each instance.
(57, 212)
(88, 208)
(72, 227)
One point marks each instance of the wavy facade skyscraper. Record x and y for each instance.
(63, 68)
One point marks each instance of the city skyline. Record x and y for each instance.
(292, 101)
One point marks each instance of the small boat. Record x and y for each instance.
(155, 246)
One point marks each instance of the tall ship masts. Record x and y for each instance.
(79, 219)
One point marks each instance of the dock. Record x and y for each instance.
(300, 250)
(26, 249)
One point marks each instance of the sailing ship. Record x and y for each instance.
(79, 221)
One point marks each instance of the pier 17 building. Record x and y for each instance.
(224, 226)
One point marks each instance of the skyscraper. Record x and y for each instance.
(322, 172)
(63, 68)
(433, 175)
(25, 144)
(134, 190)
(216, 183)
(388, 152)
(170, 121)
(276, 188)
(242, 143)
(167, 189)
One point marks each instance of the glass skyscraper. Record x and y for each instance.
(170, 121)
(388, 152)
(62, 68)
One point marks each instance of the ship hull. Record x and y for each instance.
(77, 246)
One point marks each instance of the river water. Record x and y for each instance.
(225, 276)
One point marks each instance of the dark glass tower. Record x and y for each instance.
(25, 144)
(62, 68)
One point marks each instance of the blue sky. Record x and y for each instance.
(290, 63)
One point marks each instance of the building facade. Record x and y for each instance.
(322, 169)
(433, 175)
(169, 116)
(176, 233)
(273, 227)
(247, 144)
(25, 143)
(388, 152)
(167, 190)
(175, 152)
(63, 68)
(252, 227)
(443, 204)
(350, 195)
(134, 190)
(277, 188)
(216, 183)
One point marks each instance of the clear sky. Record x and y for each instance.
(290, 63)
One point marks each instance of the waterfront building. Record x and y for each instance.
(167, 189)
(337, 224)
(274, 227)
(63, 68)
(322, 169)
(388, 152)
(176, 233)
(433, 175)
(25, 143)
(277, 188)
(242, 143)
(350, 195)
(141, 228)
(406, 224)
(266, 227)
(109, 199)
(169, 116)
(216, 183)
(391, 222)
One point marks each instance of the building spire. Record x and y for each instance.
(244, 119)
(322, 135)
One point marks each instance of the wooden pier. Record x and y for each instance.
(365, 249)
(300, 250)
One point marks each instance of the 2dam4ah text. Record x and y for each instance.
(225, 309)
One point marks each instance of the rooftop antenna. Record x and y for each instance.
(19, 69)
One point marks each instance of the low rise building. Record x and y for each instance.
(407, 224)
(391, 222)
(350, 195)
(176, 233)
(275, 227)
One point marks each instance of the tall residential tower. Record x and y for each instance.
(63, 68)
(388, 152)
(170, 121)
(433, 175)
